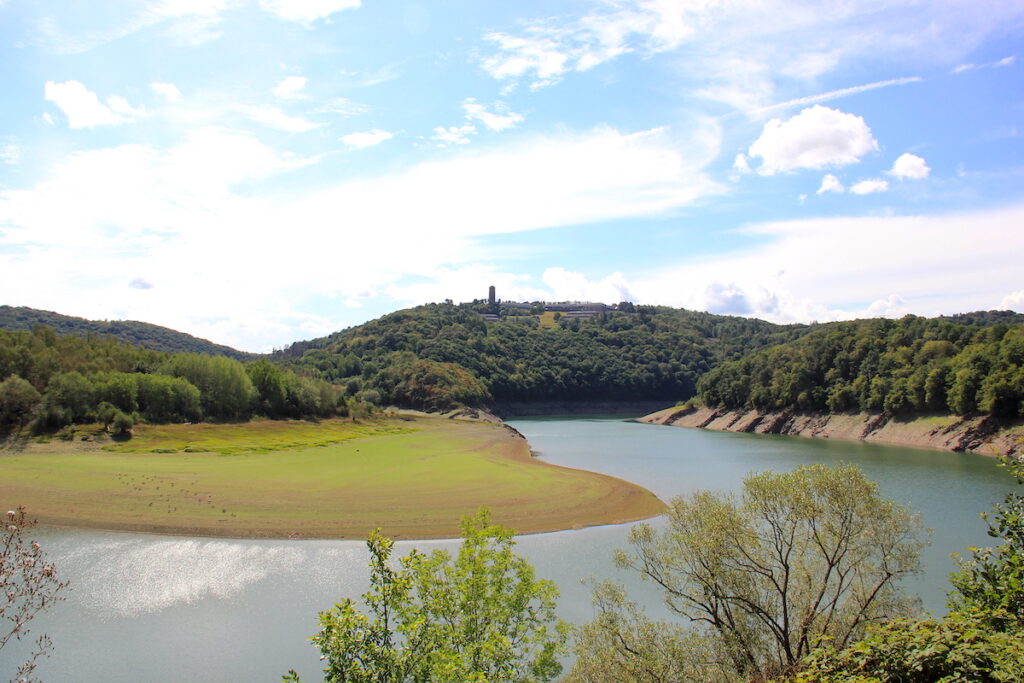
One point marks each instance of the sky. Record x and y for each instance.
(256, 172)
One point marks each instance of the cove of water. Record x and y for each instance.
(152, 608)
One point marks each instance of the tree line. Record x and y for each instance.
(132, 332)
(638, 353)
(907, 366)
(53, 381)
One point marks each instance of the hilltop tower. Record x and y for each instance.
(490, 295)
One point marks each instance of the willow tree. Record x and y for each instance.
(798, 557)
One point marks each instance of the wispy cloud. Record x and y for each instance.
(998, 64)
(290, 87)
(501, 118)
(307, 11)
(453, 135)
(836, 94)
(273, 117)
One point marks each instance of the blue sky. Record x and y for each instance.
(261, 171)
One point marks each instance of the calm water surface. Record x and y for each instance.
(150, 608)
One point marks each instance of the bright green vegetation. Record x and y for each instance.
(335, 479)
(907, 366)
(50, 382)
(639, 352)
(132, 332)
(248, 438)
(483, 616)
(443, 356)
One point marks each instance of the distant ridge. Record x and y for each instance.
(134, 332)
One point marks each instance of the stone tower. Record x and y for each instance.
(490, 295)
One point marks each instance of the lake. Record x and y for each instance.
(152, 608)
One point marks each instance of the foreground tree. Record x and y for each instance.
(621, 645)
(800, 556)
(482, 617)
(981, 640)
(28, 585)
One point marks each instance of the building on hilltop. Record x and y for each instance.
(566, 309)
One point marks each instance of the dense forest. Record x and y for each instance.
(52, 381)
(129, 331)
(444, 356)
(911, 365)
(635, 353)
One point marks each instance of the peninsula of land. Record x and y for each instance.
(412, 476)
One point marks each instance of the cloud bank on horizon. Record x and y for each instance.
(261, 171)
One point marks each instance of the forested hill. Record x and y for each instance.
(638, 353)
(911, 365)
(142, 334)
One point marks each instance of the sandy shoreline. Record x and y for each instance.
(983, 435)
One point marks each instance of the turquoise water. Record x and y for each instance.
(152, 608)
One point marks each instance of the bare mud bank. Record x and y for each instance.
(985, 435)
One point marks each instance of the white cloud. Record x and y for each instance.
(909, 166)
(1012, 302)
(83, 109)
(843, 268)
(817, 137)
(72, 242)
(290, 87)
(499, 119)
(565, 285)
(870, 186)
(1005, 61)
(891, 306)
(272, 116)
(167, 90)
(830, 184)
(741, 164)
(307, 11)
(120, 105)
(453, 135)
(368, 138)
(742, 53)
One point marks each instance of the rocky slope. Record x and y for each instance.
(985, 435)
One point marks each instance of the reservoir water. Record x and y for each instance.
(152, 608)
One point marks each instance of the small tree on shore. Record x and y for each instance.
(28, 585)
(480, 617)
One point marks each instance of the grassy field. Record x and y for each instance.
(412, 477)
